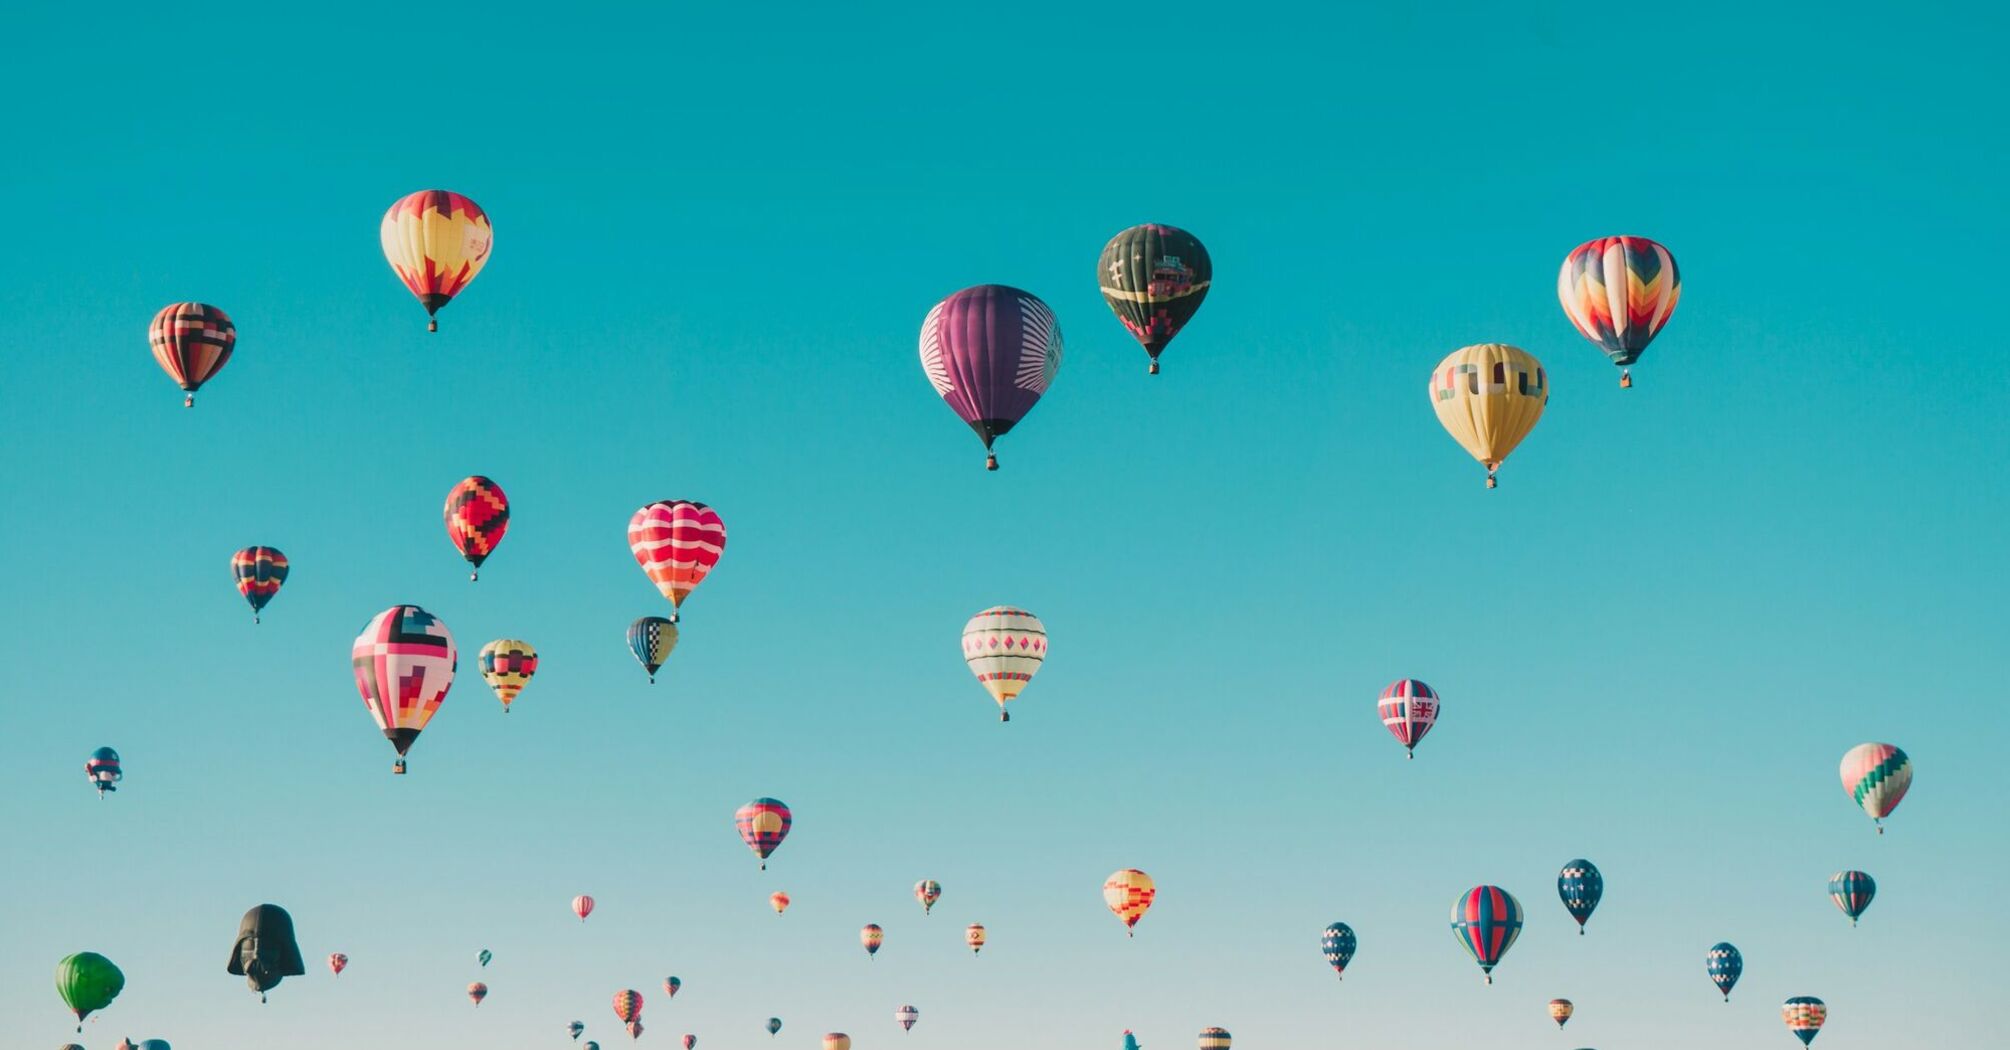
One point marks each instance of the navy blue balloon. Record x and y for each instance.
(1724, 964)
(1580, 885)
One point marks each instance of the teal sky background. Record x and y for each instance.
(717, 231)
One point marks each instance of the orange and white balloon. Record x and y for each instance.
(1129, 893)
(973, 935)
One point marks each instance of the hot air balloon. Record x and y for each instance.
(1724, 964)
(1486, 920)
(1852, 891)
(1877, 776)
(871, 936)
(651, 639)
(1409, 709)
(103, 770)
(1560, 1011)
(778, 901)
(905, 1018)
(690, 1041)
(1130, 1041)
(590, 1045)
(576, 1028)
(1214, 1039)
(677, 543)
(70, 1046)
(404, 662)
(484, 956)
(507, 666)
(436, 241)
(1004, 647)
(265, 952)
(837, 1041)
(927, 891)
(192, 342)
(763, 824)
(477, 516)
(88, 982)
(1488, 397)
(155, 1044)
(1129, 894)
(1154, 277)
(628, 1007)
(1805, 1016)
(670, 986)
(774, 1025)
(337, 963)
(1580, 886)
(582, 906)
(477, 992)
(973, 935)
(1337, 944)
(990, 351)
(259, 572)
(1619, 291)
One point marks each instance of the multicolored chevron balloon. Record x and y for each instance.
(259, 571)
(1877, 776)
(1619, 292)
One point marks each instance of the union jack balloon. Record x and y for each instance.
(1618, 292)
(1852, 892)
(763, 824)
(191, 342)
(1877, 776)
(404, 662)
(477, 516)
(1337, 943)
(1724, 965)
(1004, 647)
(1409, 709)
(1486, 920)
(677, 543)
(990, 352)
(1580, 886)
(259, 572)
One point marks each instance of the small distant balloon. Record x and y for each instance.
(477, 992)
(778, 901)
(690, 1041)
(1580, 886)
(763, 824)
(1337, 943)
(104, 770)
(774, 1025)
(259, 572)
(927, 891)
(1560, 1011)
(576, 1029)
(191, 342)
(507, 666)
(1486, 920)
(670, 986)
(1409, 709)
(871, 937)
(1214, 1039)
(628, 1005)
(1004, 647)
(1852, 892)
(652, 639)
(837, 1041)
(1724, 964)
(905, 1017)
(1805, 1016)
(337, 963)
(1130, 1041)
(582, 906)
(973, 935)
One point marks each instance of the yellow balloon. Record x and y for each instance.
(1488, 397)
(1129, 893)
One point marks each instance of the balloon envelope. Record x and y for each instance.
(1580, 886)
(1409, 709)
(1337, 943)
(990, 352)
(652, 639)
(1214, 1039)
(477, 516)
(677, 543)
(927, 891)
(259, 572)
(1486, 920)
(507, 665)
(628, 1005)
(436, 242)
(1129, 894)
(1004, 647)
(104, 770)
(1724, 964)
(265, 952)
(905, 1017)
(1488, 397)
(1877, 776)
(88, 981)
(973, 935)
(404, 662)
(778, 901)
(763, 824)
(1805, 1016)
(774, 1025)
(191, 342)
(1619, 292)
(1560, 1011)
(871, 937)
(837, 1041)
(477, 992)
(337, 963)
(1852, 892)
(1154, 278)
(582, 906)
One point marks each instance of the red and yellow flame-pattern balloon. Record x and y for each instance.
(1129, 893)
(436, 241)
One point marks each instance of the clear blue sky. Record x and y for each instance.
(716, 236)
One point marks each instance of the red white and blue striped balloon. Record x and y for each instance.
(1852, 892)
(1486, 920)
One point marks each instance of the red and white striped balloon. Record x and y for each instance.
(677, 542)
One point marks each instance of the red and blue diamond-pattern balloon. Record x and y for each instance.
(1852, 892)
(1486, 920)
(477, 516)
(1580, 886)
(1409, 709)
(763, 824)
(259, 572)
(192, 342)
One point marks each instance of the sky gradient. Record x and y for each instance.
(716, 236)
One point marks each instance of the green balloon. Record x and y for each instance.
(88, 981)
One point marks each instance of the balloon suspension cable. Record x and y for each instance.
(1625, 379)
(990, 461)
(188, 402)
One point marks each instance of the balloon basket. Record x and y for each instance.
(1625, 380)
(990, 461)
